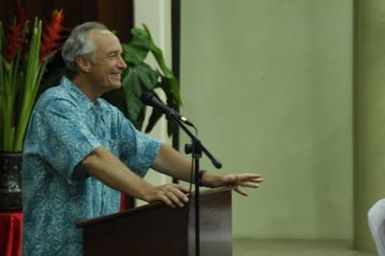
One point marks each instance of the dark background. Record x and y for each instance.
(116, 14)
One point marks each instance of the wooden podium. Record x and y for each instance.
(156, 229)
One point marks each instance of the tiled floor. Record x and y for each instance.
(248, 247)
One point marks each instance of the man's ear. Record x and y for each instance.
(83, 64)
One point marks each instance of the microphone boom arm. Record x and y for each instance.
(181, 124)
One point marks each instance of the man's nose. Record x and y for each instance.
(122, 64)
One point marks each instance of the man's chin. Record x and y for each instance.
(116, 86)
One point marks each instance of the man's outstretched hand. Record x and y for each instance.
(239, 181)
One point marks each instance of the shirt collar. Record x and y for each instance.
(79, 95)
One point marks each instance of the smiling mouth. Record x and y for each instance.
(117, 75)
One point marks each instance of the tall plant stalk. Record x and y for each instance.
(24, 54)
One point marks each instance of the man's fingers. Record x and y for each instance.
(240, 191)
(174, 199)
(179, 191)
(177, 197)
(183, 189)
(250, 178)
(250, 175)
(174, 195)
(167, 201)
(249, 184)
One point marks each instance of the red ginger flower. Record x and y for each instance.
(52, 37)
(25, 50)
(16, 35)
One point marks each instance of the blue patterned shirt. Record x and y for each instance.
(65, 127)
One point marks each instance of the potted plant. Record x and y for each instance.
(25, 49)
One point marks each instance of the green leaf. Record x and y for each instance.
(141, 38)
(154, 118)
(167, 73)
(140, 77)
(31, 84)
(135, 109)
(133, 56)
(147, 75)
(137, 50)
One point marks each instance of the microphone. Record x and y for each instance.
(149, 99)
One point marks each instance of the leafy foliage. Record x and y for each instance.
(140, 77)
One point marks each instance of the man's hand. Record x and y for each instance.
(250, 180)
(173, 195)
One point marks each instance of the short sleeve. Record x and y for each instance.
(138, 151)
(62, 137)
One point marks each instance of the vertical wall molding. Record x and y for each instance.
(369, 114)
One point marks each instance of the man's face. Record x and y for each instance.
(108, 65)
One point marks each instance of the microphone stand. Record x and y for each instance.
(195, 148)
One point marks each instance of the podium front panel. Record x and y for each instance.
(215, 225)
(158, 230)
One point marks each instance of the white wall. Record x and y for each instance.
(156, 15)
(269, 84)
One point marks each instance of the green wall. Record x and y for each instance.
(269, 84)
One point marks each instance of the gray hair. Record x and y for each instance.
(79, 44)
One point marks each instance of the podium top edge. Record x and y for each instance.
(135, 210)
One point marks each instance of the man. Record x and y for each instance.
(80, 152)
